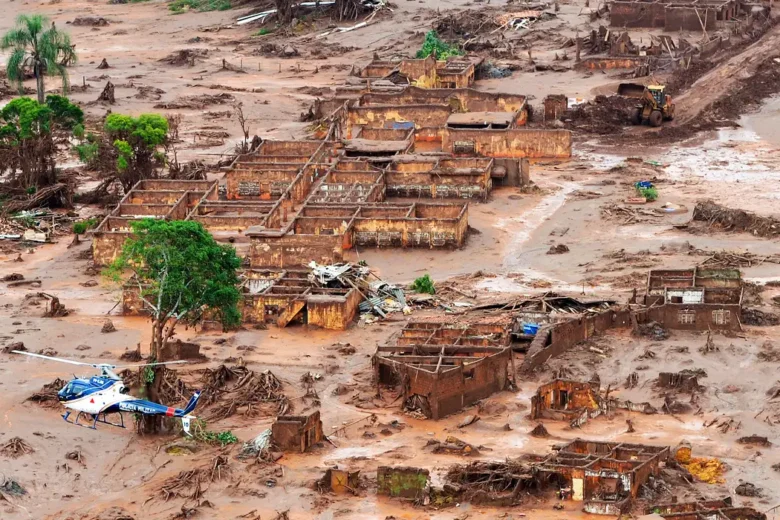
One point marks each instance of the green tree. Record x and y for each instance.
(36, 48)
(183, 274)
(137, 142)
(27, 149)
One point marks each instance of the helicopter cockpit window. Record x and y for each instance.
(73, 389)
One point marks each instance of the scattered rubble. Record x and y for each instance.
(197, 102)
(47, 396)
(558, 249)
(185, 57)
(237, 389)
(90, 21)
(727, 219)
(108, 326)
(747, 489)
(755, 440)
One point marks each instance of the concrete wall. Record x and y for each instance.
(636, 14)
(460, 99)
(454, 388)
(556, 339)
(107, 246)
(296, 432)
(382, 116)
(332, 312)
(689, 19)
(514, 143)
(291, 250)
(610, 63)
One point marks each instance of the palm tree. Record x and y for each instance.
(38, 49)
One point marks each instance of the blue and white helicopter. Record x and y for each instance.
(98, 396)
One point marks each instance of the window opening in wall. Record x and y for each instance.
(686, 317)
(721, 317)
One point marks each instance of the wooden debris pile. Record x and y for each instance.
(185, 57)
(238, 389)
(15, 448)
(727, 219)
(733, 259)
(493, 481)
(627, 215)
(187, 485)
(47, 396)
(197, 102)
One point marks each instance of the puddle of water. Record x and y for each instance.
(358, 451)
(764, 122)
(599, 161)
(734, 156)
(523, 225)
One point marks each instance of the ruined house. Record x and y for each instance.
(150, 198)
(722, 509)
(577, 402)
(297, 432)
(454, 72)
(563, 399)
(678, 15)
(444, 367)
(279, 296)
(605, 476)
(696, 298)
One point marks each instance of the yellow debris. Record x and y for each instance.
(706, 470)
(683, 454)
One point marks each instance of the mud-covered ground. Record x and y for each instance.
(578, 203)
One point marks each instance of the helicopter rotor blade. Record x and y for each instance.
(149, 364)
(50, 358)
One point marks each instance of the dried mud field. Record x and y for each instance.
(713, 150)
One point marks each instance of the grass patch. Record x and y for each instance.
(180, 6)
(424, 284)
(82, 226)
(221, 438)
(650, 194)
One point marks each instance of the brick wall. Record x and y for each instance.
(515, 143)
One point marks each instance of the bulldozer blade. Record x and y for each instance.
(632, 90)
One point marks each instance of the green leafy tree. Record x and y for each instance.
(434, 46)
(138, 142)
(27, 149)
(183, 274)
(42, 50)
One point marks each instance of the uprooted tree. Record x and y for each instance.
(183, 275)
(27, 139)
(35, 48)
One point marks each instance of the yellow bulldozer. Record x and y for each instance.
(654, 106)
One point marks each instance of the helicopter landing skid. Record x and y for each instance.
(96, 418)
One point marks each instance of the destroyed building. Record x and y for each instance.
(680, 15)
(605, 476)
(297, 432)
(723, 509)
(454, 72)
(443, 367)
(695, 299)
(563, 399)
(149, 198)
(577, 402)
